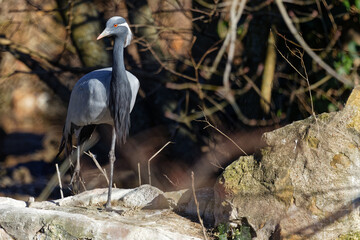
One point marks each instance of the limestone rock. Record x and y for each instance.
(304, 185)
(184, 203)
(84, 217)
(145, 196)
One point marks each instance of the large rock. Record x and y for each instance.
(140, 213)
(183, 202)
(304, 185)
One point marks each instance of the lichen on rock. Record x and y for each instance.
(305, 183)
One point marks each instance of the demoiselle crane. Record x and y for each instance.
(104, 96)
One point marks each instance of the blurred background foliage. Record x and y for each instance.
(204, 74)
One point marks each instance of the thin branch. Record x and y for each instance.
(226, 136)
(59, 179)
(235, 15)
(153, 156)
(306, 47)
(218, 57)
(172, 183)
(64, 167)
(282, 55)
(92, 156)
(166, 67)
(139, 173)
(313, 86)
(197, 206)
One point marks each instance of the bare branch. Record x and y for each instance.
(92, 156)
(152, 157)
(235, 15)
(226, 136)
(306, 47)
(197, 206)
(59, 179)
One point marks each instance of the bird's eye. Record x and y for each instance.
(115, 25)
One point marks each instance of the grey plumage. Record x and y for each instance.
(90, 99)
(104, 96)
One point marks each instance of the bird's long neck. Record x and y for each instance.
(120, 93)
(118, 72)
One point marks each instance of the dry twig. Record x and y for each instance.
(92, 156)
(197, 206)
(139, 174)
(153, 156)
(306, 47)
(235, 15)
(226, 136)
(59, 179)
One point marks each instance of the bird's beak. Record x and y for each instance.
(105, 33)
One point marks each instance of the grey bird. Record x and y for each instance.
(104, 96)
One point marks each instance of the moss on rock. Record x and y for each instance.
(233, 176)
(312, 141)
(350, 236)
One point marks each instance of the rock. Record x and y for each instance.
(83, 216)
(183, 202)
(304, 185)
(145, 196)
(241, 198)
(4, 235)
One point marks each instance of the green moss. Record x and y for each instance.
(324, 117)
(234, 173)
(312, 141)
(265, 151)
(350, 236)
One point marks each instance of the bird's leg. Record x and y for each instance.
(112, 160)
(76, 175)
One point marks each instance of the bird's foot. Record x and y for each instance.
(108, 207)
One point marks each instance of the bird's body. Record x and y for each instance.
(92, 93)
(104, 96)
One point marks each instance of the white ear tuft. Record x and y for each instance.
(128, 36)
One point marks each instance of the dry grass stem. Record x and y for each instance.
(226, 136)
(306, 47)
(153, 156)
(64, 167)
(92, 156)
(197, 206)
(54, 180)
(172, 183)
(59, 179)
(139, 173)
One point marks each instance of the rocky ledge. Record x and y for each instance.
(140, 213)
(304, 185)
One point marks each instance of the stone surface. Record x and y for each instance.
(185, 203)
(304, 185)
(83, 216)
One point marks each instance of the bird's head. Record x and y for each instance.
(117, 27)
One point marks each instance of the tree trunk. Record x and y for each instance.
(85, 26)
